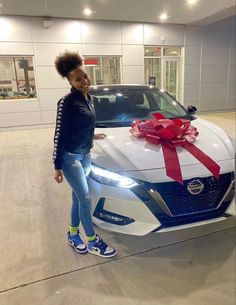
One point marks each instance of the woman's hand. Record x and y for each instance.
(58, 176)
(99, 136)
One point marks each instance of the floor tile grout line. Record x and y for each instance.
(109, 261)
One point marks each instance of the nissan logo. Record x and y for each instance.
(195, 187)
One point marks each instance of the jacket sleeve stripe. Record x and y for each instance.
(59, 135)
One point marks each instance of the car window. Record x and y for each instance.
(122, 107)
(145, 101)
(168, 106)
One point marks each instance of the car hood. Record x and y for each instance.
(120, 151)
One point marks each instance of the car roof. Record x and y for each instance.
(121, 87)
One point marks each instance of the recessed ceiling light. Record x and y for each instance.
(163, 16)
(192, 1)
(87, 12)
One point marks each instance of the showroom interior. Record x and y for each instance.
(184, 47)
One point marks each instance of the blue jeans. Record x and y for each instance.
(76, 168)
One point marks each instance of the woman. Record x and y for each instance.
(73, 140)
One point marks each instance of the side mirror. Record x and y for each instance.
(191, 109)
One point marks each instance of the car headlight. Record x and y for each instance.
(107, 177)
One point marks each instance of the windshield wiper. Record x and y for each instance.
(101, 125)
(114, 124)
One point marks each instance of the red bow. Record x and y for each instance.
(172, 133)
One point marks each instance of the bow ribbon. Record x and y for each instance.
(169, 134)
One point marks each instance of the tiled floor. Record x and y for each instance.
(226, 120)
(187, 267)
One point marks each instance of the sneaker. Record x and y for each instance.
(76, 242)
(100, 248)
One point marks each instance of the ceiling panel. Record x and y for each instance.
(179, 11)
(23, 7)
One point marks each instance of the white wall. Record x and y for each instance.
(209, 66)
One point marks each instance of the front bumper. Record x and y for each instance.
(230, 212)
(141, 209)
(123, 206)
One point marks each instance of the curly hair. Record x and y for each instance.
(67, 61)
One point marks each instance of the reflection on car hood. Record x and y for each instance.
(122, 152)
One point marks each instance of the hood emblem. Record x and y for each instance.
(195, 187)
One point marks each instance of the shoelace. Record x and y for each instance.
(101, 244)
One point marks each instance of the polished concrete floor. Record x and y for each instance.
(187, 267)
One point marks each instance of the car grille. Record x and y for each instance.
(181, 202)
(167, 221)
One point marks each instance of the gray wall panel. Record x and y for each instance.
(191, 74)
(193, 36)
(214, 73)
(213, 105)
(218, 34)
(191, 93)
(192, 55)
(216, 63)
(215, 55)
(213, 91)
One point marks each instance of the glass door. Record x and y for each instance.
(153, 71)
(171, 76)
(162, 68)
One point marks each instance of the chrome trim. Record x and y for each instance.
(157, 197)
(226, 194)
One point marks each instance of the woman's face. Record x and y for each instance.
(79, 79)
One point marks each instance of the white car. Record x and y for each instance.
(132, 191)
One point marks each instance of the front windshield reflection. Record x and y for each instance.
(121, 108)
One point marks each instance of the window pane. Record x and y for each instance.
(7, 77)
(152, 51)
(152, 68)
(171, 77)
(106, 70)
(172, 52)
(17, 79)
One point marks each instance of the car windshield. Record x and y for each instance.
(115, 108)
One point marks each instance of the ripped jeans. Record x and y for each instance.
(76, 168)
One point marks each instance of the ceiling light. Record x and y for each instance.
(163, 16)
(87, 12)
(192, 1)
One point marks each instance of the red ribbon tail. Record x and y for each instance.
(172, 162)
(210, 164)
